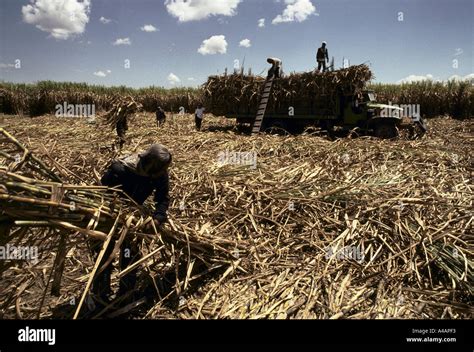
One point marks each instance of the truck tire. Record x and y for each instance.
(385, 130)
(328, 126)
(275, 127)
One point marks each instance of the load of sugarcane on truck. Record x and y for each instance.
(329, 100)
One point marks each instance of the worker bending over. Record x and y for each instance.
(138, 176)
(275, 70)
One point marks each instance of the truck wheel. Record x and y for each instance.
(328, 126)
(242, 128)
(276, 127)
(385, 130)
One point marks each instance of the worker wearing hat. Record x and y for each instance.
(321, 57)
(138, 176)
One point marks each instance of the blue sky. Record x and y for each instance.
(66, 40)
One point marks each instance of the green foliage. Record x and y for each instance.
(435, 98)
(42, 97)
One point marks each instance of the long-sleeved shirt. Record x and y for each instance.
(123, 173)
(322, 54)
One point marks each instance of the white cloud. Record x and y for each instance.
(457, 78)
(60, 18)
(148, 28)
(105, 20)
(192, 79)
(296, 10)
(415, 78)
(261, 23)
(428, 77)
(469, 77)
(194, 10)
(102, 73)
(214, 45)
(122, 41)
(173, 79)
(245, 43)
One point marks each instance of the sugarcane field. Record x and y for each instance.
(169, 160)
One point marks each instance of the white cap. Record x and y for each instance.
(324, 42)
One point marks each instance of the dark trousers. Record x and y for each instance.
(323, 64)
(121, 130)
(275, 72)
(129, 254)
(198, 122)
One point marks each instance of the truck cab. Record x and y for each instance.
(362, 111)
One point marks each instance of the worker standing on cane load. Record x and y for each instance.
(275, 70)
(160, 116)
(198, 116)
(138, 176)
(321, 57)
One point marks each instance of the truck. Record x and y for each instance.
(357, 111)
